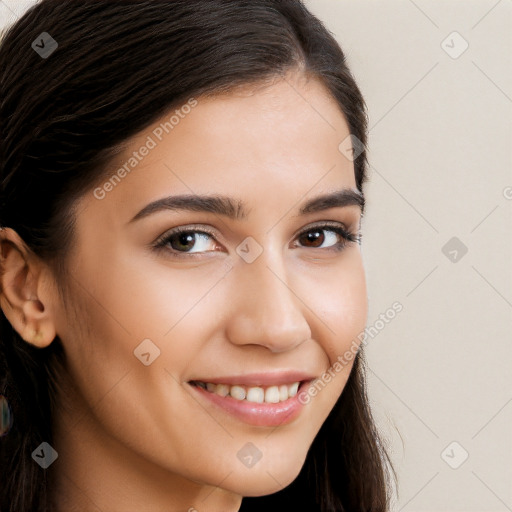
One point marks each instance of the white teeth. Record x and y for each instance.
(292, 389)
(272, 395)
(237, 392)
(222, 390)
(256, 394)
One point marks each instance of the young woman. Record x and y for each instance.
(182, 286)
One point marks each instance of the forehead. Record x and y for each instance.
(269, 144)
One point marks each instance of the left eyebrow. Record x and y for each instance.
(338, 198)
(234, 209)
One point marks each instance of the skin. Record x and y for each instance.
(131, 437)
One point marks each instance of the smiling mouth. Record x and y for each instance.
(255, 394)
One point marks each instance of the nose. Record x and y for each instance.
(265, 310)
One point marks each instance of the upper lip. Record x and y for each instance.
(260, 379)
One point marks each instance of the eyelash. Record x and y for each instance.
(348, 237)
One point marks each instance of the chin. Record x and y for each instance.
(253, 483)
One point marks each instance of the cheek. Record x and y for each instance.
(338, 311)
(150, 299)
(116, 308)
(339, 301)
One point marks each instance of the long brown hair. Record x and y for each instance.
(118, 67)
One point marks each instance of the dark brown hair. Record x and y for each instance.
(118, 67)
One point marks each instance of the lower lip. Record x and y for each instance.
(260, 415)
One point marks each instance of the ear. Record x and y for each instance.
(25, 290)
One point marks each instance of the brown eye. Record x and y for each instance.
(324, 237)
(187, 241)
(182, 241)
(313, 238)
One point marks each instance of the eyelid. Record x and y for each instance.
(324, 223)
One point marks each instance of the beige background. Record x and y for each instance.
(440, 153)
(440, 149)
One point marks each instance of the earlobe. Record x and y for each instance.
(21, 276)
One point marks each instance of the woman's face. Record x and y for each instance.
(252, 296)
